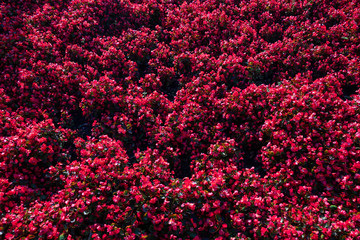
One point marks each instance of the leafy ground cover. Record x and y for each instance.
(173, 119)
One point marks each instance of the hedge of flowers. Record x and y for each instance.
(178, 119)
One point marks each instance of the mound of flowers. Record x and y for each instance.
(159, 119)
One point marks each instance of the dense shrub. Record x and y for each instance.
(215, 119)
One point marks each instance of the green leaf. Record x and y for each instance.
(192, 234)
(212, 230)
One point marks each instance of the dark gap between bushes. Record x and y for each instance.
(347, 91)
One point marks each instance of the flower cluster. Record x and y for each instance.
(158, 119)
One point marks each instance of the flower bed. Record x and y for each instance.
(159, 119)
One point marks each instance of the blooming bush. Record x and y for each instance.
(215, 119)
